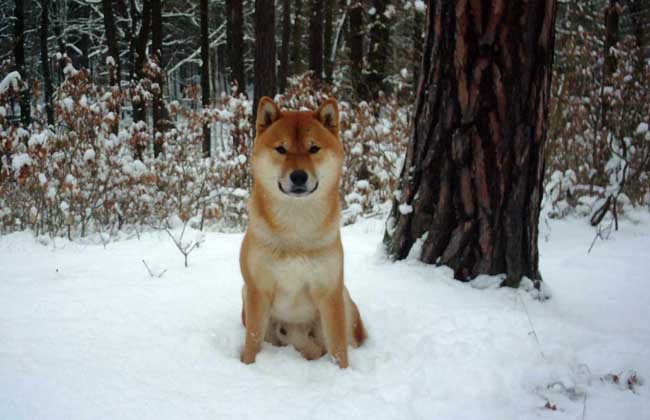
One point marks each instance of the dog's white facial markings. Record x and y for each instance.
(298, 183)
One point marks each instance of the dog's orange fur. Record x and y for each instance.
(291, 257)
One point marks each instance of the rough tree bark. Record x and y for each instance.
(45, 61)
(378, 49)
(235, 35)
(19, 57)
(265, 82)
(316, 39)
(356, 34)
(205, 72)
(283, 72)
(471, 186)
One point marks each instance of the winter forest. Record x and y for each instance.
(488, 143)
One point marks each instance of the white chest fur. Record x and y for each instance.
(294, 278)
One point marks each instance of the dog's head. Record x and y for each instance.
(297, 154)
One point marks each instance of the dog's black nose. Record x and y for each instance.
(298, 177)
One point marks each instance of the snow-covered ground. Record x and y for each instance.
(87, 333)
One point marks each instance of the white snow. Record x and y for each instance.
(642, 128)
(89, 155)
(10, 79)
(405, 208)
(420, 6)
(19, 160)
(87, 333)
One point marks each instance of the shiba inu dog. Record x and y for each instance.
(291, 257)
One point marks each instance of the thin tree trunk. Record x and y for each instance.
(133, 13)
(328, 38)
(356, 34)
(19, 57)
(161, 120)
(636, 10)
(471, 185)
(113, 58)
(45, 61)
(139, 106)
(236, 46)
(265, 81)
(378, 49)
(297, 65)
(286, 39)
(316, 39)
(205, 73)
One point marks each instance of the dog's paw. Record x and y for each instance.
(247, 357)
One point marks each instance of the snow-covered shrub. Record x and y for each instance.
(598, 154)
(94, 171)
(79, 176)
(374, 136)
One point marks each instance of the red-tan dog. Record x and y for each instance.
(292, 257)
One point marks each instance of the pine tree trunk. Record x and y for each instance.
(45, 61)
(205, 73)
(297, 66)
(316, 39)
(378, 49)
(471, 185)
(111, 43)
(19, 57)
(236, 47)
(356, 34)
(286, 39)
(265, 82)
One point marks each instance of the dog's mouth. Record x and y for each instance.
(298, 190)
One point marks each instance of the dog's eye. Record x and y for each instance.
(281, 150)
(314, 149)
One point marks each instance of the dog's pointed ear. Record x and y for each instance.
(267, 113)
(328, 115)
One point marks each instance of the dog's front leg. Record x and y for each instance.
(332, 312)
(256, 309)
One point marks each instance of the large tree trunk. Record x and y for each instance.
(45, 61)
(111, 43)
(316, 39)
(297, 66)
(378, 49)
(205, 73)
(356, 34)
(19, 57)
(286, 40)
(471, 184)
(236, 47)
(265, 83)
